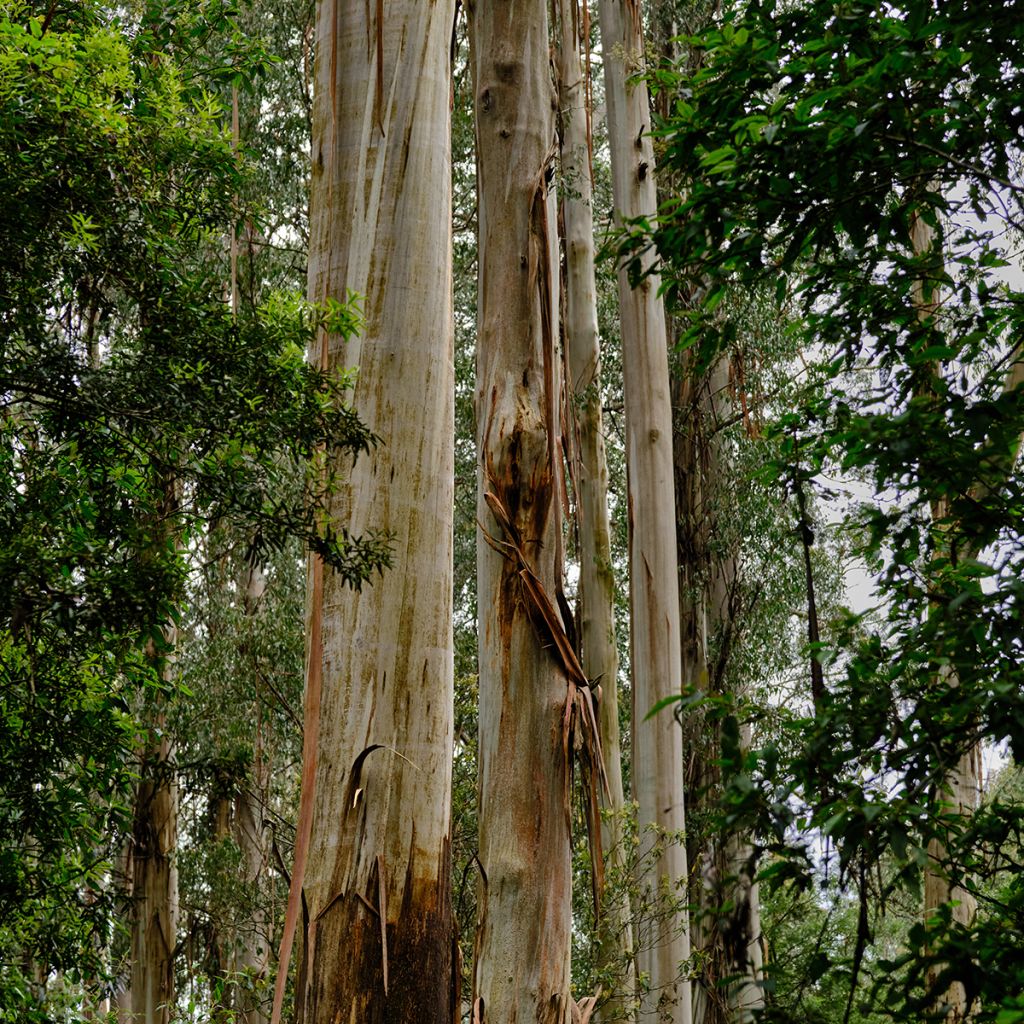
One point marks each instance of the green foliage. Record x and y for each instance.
(238, 740)
(815, 142)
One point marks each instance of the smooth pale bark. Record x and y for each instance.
(524, 927)
(663, 944)
(599, 654)
(376, 886)
(154, 881)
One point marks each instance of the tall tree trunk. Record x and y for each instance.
(154, 888)
(523, 931)
(962, 780)
(124, 876)
(600, 658)
(380, 932)
(250, 955)
(154, 877)
(252, 959)
(726, 926)
(654, 593)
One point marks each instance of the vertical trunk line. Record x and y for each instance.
(964, 778)
(663, 939)
(377, 875)
(524, 927)
(599, 655)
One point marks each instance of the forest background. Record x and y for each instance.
(833, 256)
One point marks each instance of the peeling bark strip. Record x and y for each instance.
(654, 593)
(580, 716)
(524, 931)
(379, 938)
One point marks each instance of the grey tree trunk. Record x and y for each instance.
(378, 947)
(663, 943)
(524, 925)
(154, 882)
(250, 959)
(600, 659)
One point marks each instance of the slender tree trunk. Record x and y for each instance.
(253, 958)
(523, 931)
(154, 923)
(600, 658)
(726, 925)
(155, 880)
(250, 956)
(654, 593)
(380, 933)
(124, 875)
(963, 780)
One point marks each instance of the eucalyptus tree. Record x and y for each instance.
(655, 657)
(525, 900)
(374, 817)
(589, 473)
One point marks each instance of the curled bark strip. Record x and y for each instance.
(584, 1009)
(542, 611)
(546, 621)
(340, 895)
(369, 906)
(354, 789)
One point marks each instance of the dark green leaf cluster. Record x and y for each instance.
(862, 164)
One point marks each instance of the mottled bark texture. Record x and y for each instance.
(663, 937)
(523, 933)
(379, 933)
